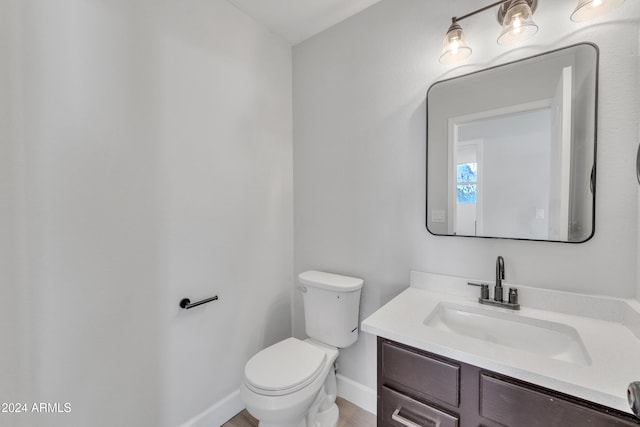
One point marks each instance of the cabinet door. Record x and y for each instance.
(419, 374)
(398, 410)
(514, 404)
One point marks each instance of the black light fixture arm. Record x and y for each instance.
(460, 18)
(501, 12)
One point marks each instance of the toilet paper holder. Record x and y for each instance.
(187, 304)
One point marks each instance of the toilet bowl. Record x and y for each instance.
(292, 383)
(287, 381)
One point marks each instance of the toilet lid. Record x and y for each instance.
(284, 367)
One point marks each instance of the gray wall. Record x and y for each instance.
(516, 168)
(359, 156)
(145, 156)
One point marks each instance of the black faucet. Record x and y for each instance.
(497, 295)
(498, 300)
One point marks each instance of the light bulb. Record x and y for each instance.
(517, 25)
(454, 47)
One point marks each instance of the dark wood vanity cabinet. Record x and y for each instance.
(418, 388)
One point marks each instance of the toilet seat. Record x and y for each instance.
(284, 367)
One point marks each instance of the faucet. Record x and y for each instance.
(498, 299)
(497, 295)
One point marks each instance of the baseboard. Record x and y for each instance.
(358, 394)
(223, 410)
(219, 413)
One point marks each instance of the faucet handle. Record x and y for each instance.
(484, 289)
(513, 296)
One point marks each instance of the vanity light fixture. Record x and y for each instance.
(515, 16)
(591, 9)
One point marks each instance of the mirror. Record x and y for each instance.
(511, 150)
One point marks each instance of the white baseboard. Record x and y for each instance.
(358, 394)
(223, 410)
(219, 413)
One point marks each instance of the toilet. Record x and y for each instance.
(293, 382)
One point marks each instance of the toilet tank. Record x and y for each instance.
(331, 307)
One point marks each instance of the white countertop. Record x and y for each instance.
(609, 328)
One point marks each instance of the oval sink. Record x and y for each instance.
(550, 339)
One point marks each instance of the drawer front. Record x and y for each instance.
(398, 410)
(421, 375)
(514, 405)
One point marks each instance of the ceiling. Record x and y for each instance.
(297, 20)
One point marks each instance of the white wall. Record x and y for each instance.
(515, 166)
(14, 378)
(512, 194)
(359, 156)
(638, 148)
(148, 159)
(222, 102)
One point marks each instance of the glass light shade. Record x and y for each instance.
(454, 46)
(590, 9)
(518, 24)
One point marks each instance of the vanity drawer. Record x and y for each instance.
(515, 404)
(418, 374)
(398, 410)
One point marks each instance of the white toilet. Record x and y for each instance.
(293, 383)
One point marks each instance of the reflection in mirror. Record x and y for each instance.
(511, 149)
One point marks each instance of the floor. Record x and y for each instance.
(350, 416)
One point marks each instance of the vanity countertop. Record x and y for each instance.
(609, 328)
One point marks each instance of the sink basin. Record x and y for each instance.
(541, 337)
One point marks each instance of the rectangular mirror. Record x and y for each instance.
(511, 150)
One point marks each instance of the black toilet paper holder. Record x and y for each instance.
(187, 304)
